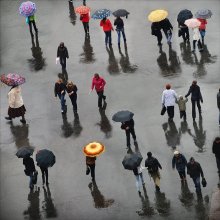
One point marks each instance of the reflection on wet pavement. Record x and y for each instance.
(72, 13)
(113, 67)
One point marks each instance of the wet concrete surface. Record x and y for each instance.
(135, 78)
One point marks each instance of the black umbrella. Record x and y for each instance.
(45, 158)
(121, 13)
(132, 161)
(122, 116)
(184, 15)
(203, 13)
(24, 152)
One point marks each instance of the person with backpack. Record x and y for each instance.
(152, 165)
(29, 170)
(180, 162)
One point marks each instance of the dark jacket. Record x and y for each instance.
(62, 52)
(29, 165)
(58, 88)
(90, 160)
(218, 100)
(152, 161)
(196, 95)
(155, 28)
(74, 89)
(194, 170)
(166, 25)
(129, 124)
(216, 149)
(119, 23)
(179, 162)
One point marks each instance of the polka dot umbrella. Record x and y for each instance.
(101, 13)
(27, 8)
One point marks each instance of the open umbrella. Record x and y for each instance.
(45, 158)
(93, 149)
(82, 10)
(12, 79)
(24, 152)
(132, 161)
(157, 15)
(121, 13)
(192, 23)
(122, 116)
(184, 15)
(101, 13)
(27, 8)
(203, 13)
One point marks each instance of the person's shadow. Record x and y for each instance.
(163, 63)
(72, 13)
(202, 207)
(104, 123)
(125, 64)
(113, 67)
(67, 128)
(88, 55)
(174, 66)
(37, 62)
(98, 198)
(77, 127)
(33, 211)
(186, 53)
(162, 204)
(48, 207)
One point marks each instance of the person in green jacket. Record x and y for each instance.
(31, 21)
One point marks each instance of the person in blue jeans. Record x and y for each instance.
(60, 91)
(120, 29)
(194, 170)
(29, 169)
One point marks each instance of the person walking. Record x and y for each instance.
(218, 104)
(128, 126)
(196, 38)
(16, 105)
(182, 106)
(156, 31)
(72, 92)
(139, 178)
(85, 21)
(194, 170)
(119, 23)
(44, 172)
(180, 162)
(152, 165)
(31, 21)
(62, 54)
(167, 29)
(184, 32)
(216, 151)
(90, 163)
(29, 170)
(202, 28)
(59, 90)
(196, 97)
(107, 28)
(99, 84)
(169, 98)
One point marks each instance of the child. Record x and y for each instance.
(182, 106)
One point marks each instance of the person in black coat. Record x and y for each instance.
(196, 97)
(62, 54)
(156, 31)
(72, 92)
(29, 169)
(184, 32)
(120, 29)
(167, 29)
(216, 151)
(128, 126)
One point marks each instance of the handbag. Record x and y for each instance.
(163, 110)
(204, 183)
(87, 170)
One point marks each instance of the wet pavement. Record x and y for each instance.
(135, 78)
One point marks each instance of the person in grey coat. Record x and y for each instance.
(218, 104)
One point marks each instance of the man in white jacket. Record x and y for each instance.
(169, 98)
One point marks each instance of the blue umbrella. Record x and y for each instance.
(203, 13)
(101, 13)
(45, 158)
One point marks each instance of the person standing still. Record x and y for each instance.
(31, 21)
(72, 92)
(196, 97)
(90, 162)
(99, 84)
(62, 54)
(29, 170)
(218, 104)
(85, 21)
(120, 29)
(107, 28)
(216, 151)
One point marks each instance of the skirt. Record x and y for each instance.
(16, 112)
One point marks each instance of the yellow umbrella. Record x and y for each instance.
(93, 149)
(157, 15)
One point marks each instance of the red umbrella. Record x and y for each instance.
(82, 10)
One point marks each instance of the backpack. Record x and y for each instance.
(152, 165)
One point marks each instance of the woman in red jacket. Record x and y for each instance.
(99, 84)
(85, 20)
(202, 28)
(107, 28)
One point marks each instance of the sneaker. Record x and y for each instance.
(8, 118)
(23, 121)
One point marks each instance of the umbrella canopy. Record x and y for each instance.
(184, 15)
(24, 152)
(45, 158)
(157, 15)
(132, 161)
(122, 116)
(27, 8)
(121, 13)
(12, 79)
(203, 13)
(192, 23)
(82, 10)
(101, 13)
(93, 149)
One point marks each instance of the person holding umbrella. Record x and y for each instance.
(62, 55)
(29, 169)
(156, 31)
(107, 28)
(85, 21)
(167, 29)
(30, 20)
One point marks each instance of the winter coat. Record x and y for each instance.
(179, 162)
(85, 17)
(166, 25)
(218, 100)
(90, 160)
(196, 95)
(62, 52)
(216, 149)
(194, 170)
(203, 23)
(74, 90)
(155, 28)
(14, 97)
(196, 34)
(182, 104)
(129, 124)
(99, 84)
(169, 97)
(59, 89)
(29, 165)
(152, 161)
(119, 23)
(106, 25)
